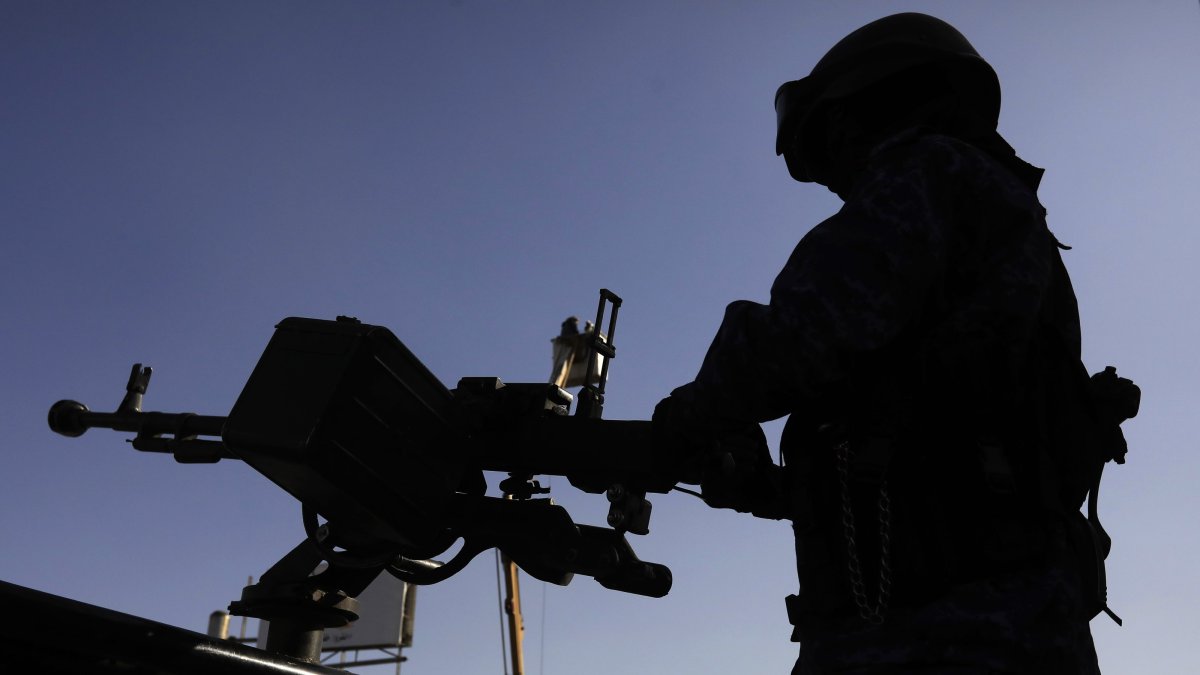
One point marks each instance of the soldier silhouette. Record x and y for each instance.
(924, 342)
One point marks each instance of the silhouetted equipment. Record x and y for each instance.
(569, 327)
(378, 637)
(570, 355)
(341, 415)
(102, 641)
(1116, 399)
(581, 359)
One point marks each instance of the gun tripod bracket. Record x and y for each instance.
(300, 605)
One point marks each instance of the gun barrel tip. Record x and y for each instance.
(64, 418)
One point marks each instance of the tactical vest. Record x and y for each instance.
(907, 492)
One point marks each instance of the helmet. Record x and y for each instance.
(870, 55)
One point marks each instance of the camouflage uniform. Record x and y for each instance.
(918, 312)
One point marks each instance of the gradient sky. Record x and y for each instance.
(176, 177)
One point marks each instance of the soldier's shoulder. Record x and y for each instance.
(931, 161)
(917, 161)
(928, 149)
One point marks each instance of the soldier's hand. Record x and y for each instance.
(729, 459)
(680, 438)
(739, 474)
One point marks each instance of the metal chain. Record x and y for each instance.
(885, 550)
(871, 613)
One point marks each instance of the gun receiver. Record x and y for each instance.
(342, 416)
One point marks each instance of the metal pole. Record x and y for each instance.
(218, 625)
(297, 639)
(512, 607)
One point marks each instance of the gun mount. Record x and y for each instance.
(346, 419)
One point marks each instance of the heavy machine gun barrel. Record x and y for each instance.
(72, 418)
(342, 416)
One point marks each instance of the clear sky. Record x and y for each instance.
(176, 177)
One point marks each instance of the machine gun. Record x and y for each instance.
(346, 419)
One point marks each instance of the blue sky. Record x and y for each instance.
(177, 177)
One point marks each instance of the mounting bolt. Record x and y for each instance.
(615, 493)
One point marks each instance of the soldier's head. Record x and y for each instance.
(898, 72)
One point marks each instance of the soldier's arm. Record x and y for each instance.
(854, 285)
